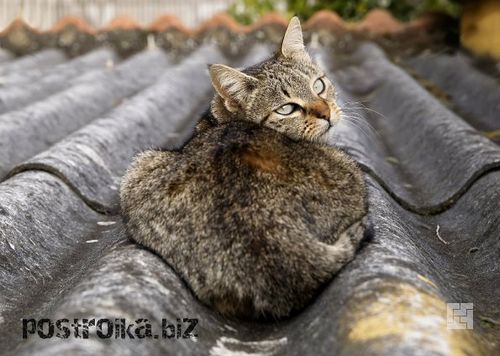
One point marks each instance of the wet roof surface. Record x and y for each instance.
(426, 135)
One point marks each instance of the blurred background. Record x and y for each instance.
(43, 14)
(473, 23)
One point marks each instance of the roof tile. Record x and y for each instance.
(434, 155)
(37, 126)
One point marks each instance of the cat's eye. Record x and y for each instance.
(286, 109)
(319, 86)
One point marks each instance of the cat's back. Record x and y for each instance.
(245, 215)
(257, 158)
(237, 173)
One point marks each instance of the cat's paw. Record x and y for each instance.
(356, 232)
(349, 240)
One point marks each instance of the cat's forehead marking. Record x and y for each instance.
(291, 74)
(304, 70)
(274, 66)
(295, 84)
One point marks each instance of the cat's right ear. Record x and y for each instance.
(292, 45)
(233, 86)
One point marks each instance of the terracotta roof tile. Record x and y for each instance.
(78, 22)
(379, 21)
(325, 19)
(166, 22)
(122, 23)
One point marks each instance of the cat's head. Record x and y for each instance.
(288, 92)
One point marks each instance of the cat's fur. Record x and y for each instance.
(253, 213)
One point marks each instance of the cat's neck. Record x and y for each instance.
(220, 113)
(215, 115)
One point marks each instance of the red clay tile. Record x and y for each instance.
(166, 22)
(122, 23)
(325, 19)
(272, 18)
(17, 24)
(379, 21)
(221, 20)
(76, 21)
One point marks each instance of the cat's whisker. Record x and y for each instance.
(349, 112)
(362, 106)
(361, 120)
(364, 123)
(361, 129)
(375, 112)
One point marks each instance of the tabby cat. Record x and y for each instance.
(255, 212)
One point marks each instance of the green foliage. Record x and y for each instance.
(247, 11)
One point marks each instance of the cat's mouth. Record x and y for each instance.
(326, 126)
(330, 123)
(322, 129)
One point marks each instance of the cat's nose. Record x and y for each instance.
(320, 109)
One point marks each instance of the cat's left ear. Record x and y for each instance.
(293, 42)
(233, 86)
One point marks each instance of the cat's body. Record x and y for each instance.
(254, 220)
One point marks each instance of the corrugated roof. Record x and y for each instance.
(426, 136)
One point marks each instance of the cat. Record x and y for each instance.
(255, 212)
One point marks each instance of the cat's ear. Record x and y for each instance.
(293, 43)
(233, 86)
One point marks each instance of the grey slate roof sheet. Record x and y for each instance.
(5, 56)
(39, 125)
(434, 191)
(412, 127)
(42, 59)
(475, 94)
(21, 88)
